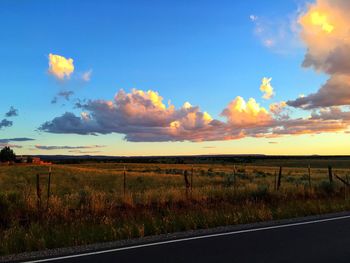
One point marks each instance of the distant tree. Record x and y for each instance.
(7, 155)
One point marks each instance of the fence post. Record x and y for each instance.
(309, 171)
(330, 174)
(191, 180)
(38, 192)
(48, 189)
(187, 183)
(279, 178)
(234, 177)
(275, 184)
(124, 182)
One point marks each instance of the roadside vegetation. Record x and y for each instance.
(88, 202)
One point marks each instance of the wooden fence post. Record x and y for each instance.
(38, 192)
(330, 174)
(309, 171)
(191, 180)
(48, 189)
(187, 183)
(279, 178)
(124, 182)
(234, 177)
(275, 184)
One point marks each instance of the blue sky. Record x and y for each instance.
(204, 52)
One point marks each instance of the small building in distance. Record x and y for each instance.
(30, 160)
(36, 160)
(21, 159)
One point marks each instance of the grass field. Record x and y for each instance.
(88, 203)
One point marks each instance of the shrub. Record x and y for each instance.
(259, 173)
(261, 193)
(327, 187)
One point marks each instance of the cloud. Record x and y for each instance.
(10, 145)
(278, 35)
(12, 112)
(253, 18)
(51, 147)
(54, 100)
(325, 30)
(143, 117)
(84, 152)
(5, 123)
(335, 92)
(7, 142)
(244, 114)
(278, 109)
(86, 76)
(22, 139)
(60, 67)
(332, 113)
(266, 88)
(65, 94)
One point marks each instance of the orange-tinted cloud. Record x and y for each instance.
(142, 116)
(325, 30)
(60, 67)
(266, 88)
(240, 113)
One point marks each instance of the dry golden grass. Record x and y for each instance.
(88, 204)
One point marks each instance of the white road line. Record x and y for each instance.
(190, 238)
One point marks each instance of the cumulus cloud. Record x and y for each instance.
(335, 92)
(64, 147)
(240, 113)
(60, 67)
(143, 117)
(12, 112)
(266, 88)
(325, 29)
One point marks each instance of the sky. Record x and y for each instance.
(177, 77)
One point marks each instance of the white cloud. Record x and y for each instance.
(86, 76)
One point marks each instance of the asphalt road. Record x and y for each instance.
(325, 240)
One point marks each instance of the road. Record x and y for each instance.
(320, 240)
